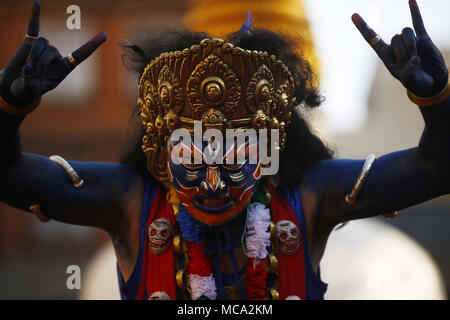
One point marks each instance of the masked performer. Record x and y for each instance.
(209, 230)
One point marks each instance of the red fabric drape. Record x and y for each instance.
(158, 270)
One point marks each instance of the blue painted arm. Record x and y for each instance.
(101, 203)
(396, 181)
(26, 179)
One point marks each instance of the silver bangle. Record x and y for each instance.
(351, 197)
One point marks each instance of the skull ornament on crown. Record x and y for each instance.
(288, 237)
(160, 235)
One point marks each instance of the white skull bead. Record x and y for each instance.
(288, 237)
(160, 235)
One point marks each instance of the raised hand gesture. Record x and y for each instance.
(412, 58)
(38, 67)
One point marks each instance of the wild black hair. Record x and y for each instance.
(303, 147)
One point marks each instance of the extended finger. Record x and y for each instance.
(399, 50)
(89, 47)
(409, 39)
(369, 34)
(33, 24)
(38, 46)
(47, 56)
(417, 18)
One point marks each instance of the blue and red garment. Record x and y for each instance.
(152, 272)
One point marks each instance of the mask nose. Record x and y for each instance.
(213, 183)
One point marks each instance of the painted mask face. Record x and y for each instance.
(215, 193)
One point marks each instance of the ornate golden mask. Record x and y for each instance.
(223, 86)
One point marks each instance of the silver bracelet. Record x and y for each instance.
(76, 180)
(351, 197)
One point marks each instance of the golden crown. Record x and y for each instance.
(223, 86)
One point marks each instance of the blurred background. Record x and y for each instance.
(87, 118)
